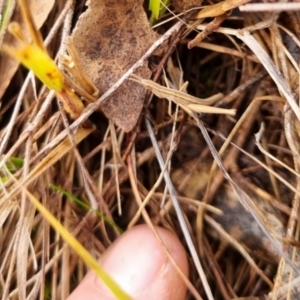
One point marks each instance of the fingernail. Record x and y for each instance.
(136, 259)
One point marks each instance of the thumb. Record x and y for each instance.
(138, 263)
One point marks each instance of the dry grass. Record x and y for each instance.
(99, 167)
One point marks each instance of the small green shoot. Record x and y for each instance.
(5, 14)
(11, 166)
(14, 164)
(85, 206)
(157, 8)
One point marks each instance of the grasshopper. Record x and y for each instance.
(187, 102)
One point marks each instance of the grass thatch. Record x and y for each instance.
(94, 181)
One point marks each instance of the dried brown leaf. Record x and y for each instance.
(40, 11)
(110, 37)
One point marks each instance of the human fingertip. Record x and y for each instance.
(138, 262)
